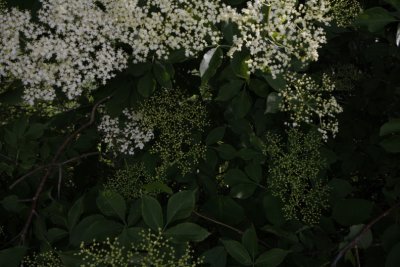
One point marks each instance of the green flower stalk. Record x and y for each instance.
(294, 175)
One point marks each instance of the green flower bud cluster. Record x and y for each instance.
(153, 250)
(178, 122)
(294, 175)
(129, 182)
(345, 11)
(44, 259)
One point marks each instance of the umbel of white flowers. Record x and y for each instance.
(73, 48)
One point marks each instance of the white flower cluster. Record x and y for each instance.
(306, 99)
(125, 136)
(74, 47)
(72, 51)
(157, 27)
(276, 31)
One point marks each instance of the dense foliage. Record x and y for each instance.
(199, 133)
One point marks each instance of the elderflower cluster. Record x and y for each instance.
(307, 100)
(125, 135)
(157, 27)
(153, 250)
(275, 32)
(48, 258)
(179, 122)
(344, 12)
(294, 175)
(72, 51)
(129, 182)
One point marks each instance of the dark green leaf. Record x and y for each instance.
(12, 257)
(152, 213)
(216, 257)
(157, 186)
(56, 234)
(250, 241)
(75, 213)
(215, 135)
(146, 85)
(364, 241)
(110, 203)
(254, 171)
(393, 258)
(135, 212)
(238, 252)
(162, 75)
(226, 151)
(273, 210)
(272, 257)
(180, 206)
(239, 65)
(394, 3)
(229, 90)
(186, 232)
(392, 126)
(241, 104)
(375, 19)
(12, 203)
(391, 144)
(35, 131)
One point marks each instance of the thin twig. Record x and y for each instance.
(59, 181)
(357, 238)
(49, 170)
(50, 165)
(240, 232)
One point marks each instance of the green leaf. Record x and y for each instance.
(229, 90)
(135, 212)
(272, 257)
(241, 104)
(35, 131)
(110, 203)
(56, 234)
(152, 213)
(212, 59)
(161, 74)
(243, 191)
(339, 189)
(250, 241)
(180, 206)
(239, 65)
(186, 232)
(364, 241)
(216, 257)
(225, 209)
(75, 213)
(375, 19)
(129, 236)
(273, 102)
(12, 203)
(215, 135)
(157, 186)
(259, 87)
(146, 85)
(392, 126)
(254, 171)
(226, 151)
(238, 252)
(352, 211)
(277, 83)
(12, 257)
(100, 230)
(393, 258)
(391, 144)
(273, 210)
(70, 258)
(236, 176)
(394, 3)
